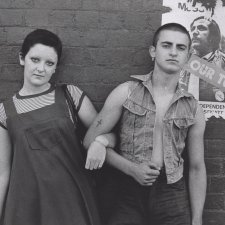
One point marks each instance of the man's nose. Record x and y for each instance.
(194, 31)
(173, 51)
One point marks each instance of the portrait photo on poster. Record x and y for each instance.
(204, 20)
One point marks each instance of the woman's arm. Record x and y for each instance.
(5, 165)
(87, 112)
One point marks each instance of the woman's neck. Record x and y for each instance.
(26, 90)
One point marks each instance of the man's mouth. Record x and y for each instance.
(38, 75)
(172, 60)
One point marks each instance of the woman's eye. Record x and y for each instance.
(34, 60)
(50, 63)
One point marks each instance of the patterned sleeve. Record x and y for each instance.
(2, 116)
(77, 95)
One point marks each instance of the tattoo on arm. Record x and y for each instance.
(99, 122)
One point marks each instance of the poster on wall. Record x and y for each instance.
(205, 20)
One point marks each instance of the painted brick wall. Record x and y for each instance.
(104, 42)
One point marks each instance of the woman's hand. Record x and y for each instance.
(95, 155)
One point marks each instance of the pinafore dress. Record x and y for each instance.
(48, 184)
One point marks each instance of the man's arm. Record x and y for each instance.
(197, 170)
(110, 114)
(144, 173)
(5, 165)
(103, 124)
(87, 114)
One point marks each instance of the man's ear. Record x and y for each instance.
(189, 55)
(152, 52)
(21, 58)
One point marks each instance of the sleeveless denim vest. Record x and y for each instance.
(137, 125)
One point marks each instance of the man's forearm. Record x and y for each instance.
(119, 162)
(108, 140)
(197, 190)
(111, 138)
(143, 173)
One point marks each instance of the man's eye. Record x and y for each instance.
(166, 46)
(202, 28)
(181, 48)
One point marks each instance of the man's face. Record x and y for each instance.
(200, 34)
(171, 51)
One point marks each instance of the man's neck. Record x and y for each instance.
(165, 81)
(202, 53)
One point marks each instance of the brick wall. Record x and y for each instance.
(104, 42)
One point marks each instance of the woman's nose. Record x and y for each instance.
(40, 67)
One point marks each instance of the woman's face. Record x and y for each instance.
(39, 65)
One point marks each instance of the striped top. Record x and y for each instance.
(28, 103)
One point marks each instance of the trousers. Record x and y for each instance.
(159, 204)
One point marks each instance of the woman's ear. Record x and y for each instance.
(21, 58)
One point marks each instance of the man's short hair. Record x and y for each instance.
(214, 32)
(172, 27)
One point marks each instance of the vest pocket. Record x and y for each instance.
(42, 137)
(135, 108)
(180, 128)
(134, 130)
(183, 123)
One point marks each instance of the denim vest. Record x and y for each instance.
(137, 125)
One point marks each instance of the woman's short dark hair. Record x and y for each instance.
(42, 36)
(173, 27)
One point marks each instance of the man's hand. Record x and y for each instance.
(95, 156)
(145, 173)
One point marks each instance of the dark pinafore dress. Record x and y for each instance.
(49, 184)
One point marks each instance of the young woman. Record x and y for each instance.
(43, 180)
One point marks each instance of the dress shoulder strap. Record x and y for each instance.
(62, 94)
(9, 107)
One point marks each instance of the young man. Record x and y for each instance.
(157, 118)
